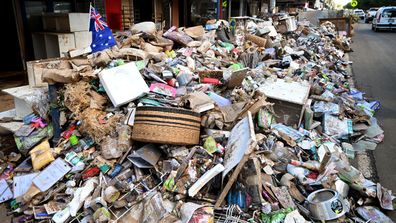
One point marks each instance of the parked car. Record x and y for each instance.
(385, 18)
(370, 14)
(359, 13)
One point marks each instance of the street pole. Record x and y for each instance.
(272, 6)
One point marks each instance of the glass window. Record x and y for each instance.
(389, 13)
(202, 11)
(62, 7)
(35, 8)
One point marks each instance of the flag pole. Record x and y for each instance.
(89, 13)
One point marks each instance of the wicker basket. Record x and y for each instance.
(166, 125)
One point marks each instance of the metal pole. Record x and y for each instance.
(272, 6)
(240, 7)
(229, 9)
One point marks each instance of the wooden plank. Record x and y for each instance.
(79, 52)
(231, 181)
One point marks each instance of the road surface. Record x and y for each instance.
(374, 69)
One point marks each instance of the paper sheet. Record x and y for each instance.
(5, 191)
(22, 183)
(50, 175)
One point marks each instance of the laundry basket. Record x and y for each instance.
(166, 125)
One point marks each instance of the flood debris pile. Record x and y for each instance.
(248, 121)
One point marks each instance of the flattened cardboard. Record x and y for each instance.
(145, 157)
(240, 143)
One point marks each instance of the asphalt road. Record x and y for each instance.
(374, 69)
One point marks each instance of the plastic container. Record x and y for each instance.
(124, 137)
(220, 101)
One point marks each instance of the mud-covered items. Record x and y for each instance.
(177, 36)
(79, 96)
(126, 161)
(97, 124)
(241, 144)
(26, 141)
(289, 99)
(28, 100)
(259, 41)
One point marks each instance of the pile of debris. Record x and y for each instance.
(252, 121)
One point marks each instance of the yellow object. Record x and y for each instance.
(170, 53)
(41, 155)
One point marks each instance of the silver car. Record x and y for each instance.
(385, 18)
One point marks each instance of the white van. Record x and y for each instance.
(385, 18)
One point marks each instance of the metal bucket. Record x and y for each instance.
(326, 204)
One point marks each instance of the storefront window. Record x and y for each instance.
(35, 8)
(202, 11)
(62, 7)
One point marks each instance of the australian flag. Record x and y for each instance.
(102, 37)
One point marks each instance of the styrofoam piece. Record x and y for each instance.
(7, 126)
(293, 92)
(24, 97)
(123, 84)
(204, 179)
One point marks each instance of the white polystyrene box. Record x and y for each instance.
(123, 84)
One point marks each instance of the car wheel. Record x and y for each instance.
(374, 28)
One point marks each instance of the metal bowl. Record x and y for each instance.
(326, 204)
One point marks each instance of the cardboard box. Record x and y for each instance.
(35, 71)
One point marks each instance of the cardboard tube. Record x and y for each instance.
(256, 39)
(324, 162)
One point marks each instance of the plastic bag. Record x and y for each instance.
(109, 148)
(179, 37)
(326, 107)
(373, 214)
(335, 127)
(25, 143)
(276, 216)
(41, 155)
(369, 107)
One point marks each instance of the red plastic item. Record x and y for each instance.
(208, 80)
(66, 134)
(172, 82)
(94, 171)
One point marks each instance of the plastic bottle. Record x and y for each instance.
(221, 101)
(124, 142)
